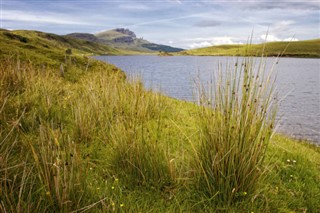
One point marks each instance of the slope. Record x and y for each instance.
(121, 38)
(100, 143)
(307, 48)
(45, 47)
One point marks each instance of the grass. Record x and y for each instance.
(49, 49)
(236, 124)
(93, 140)
(303, 49)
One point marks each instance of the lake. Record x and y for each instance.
(298, 85)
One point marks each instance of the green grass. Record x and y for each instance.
(236, 123)
(308, 48)
(92, 140)
(50, 49)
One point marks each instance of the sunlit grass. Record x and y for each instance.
(236, 123)
(308, 48)
(92, 140)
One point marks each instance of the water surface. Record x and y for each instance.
(298, 84)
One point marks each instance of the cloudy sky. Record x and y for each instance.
(180, 23)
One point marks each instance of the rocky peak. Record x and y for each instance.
(126, 31)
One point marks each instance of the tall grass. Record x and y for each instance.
(127, 118)
(53, 130)
(61, 171)
(236, 122)
(91, 140)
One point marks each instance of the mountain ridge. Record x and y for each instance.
(122, 38)
(48, 48)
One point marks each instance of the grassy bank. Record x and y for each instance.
(88, 139)
(303, 49)
(50, 49)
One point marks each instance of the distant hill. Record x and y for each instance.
(307, 48)
(84, 36)
(124, 39)
(46, 47)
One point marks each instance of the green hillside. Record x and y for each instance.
(50, 48)
(308, 48)
(90, 140)
(39, 46)
(126, 39)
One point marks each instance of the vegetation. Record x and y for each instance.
(308, 48)
(236, 123)
(126, 39)
(88, 139)
(49, 49)
(161, 53)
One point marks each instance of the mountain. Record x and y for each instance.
(84, 36)
(124, 39)
(307, 48)
(47, 47)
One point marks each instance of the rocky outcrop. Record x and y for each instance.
(124, 39)
(126, 32)
(84, 36)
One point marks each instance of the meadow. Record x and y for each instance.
(301, 49)
(78, 135)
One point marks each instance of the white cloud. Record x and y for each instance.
(269, 38)
(50, 18)
(282, 26)
(290, 39)
(175, 1)
(200, 44)
(213, 41)
(272, 38)
(134, 7)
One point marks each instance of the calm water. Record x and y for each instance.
(298, 84)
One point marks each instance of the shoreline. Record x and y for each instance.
(281, 132)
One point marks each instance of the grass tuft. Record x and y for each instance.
(236, 123)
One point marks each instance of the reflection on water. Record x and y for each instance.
(298, 83)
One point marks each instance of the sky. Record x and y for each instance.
(179, 23)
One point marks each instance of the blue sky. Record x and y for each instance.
(180, 23)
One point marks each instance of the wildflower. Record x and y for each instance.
(113, 204)
(288, 161)
(294, 161)
(48, 193)
(121, 205)
(90, 168)
(244, 193)
(112, 187)
(117, 180)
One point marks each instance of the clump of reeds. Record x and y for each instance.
(60, 169)
(16, 174)
(127, 118)
(236, 122)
